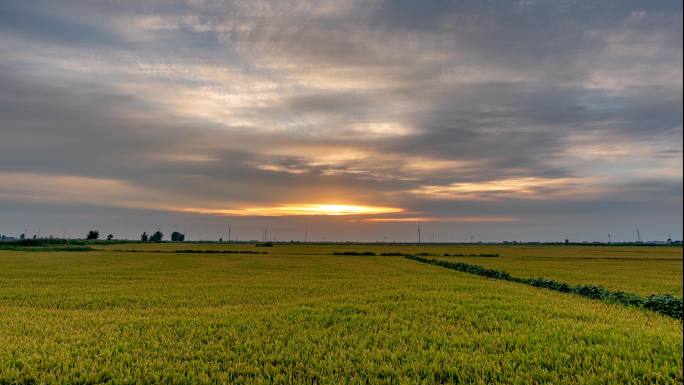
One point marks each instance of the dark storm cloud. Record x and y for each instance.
(559, 108)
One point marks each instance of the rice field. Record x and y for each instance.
(299, 315)
(637, 269)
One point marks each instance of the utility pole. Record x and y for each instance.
(306, 234)
(419, 233)
(229, 229)
(638, 236)
(609, 240)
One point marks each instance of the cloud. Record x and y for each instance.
(523, 187)
(525, 110)
(298, 209)
(463, 219)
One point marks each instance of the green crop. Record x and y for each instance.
(299, 315)
(663, 304)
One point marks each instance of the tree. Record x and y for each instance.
(93, 234)
(157, 236)
(143, 237)
(177, 237)
(22, 236)
(110, 237)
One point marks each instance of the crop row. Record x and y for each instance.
(45, 248)
(397, 254)
(661, 303)
(194, 251)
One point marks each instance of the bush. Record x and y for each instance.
(665, 304)
(547, 284)
(366, 253)
(594, 292)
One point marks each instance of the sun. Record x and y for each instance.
(336, 209)
(300, 209)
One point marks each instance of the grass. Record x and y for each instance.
(301, 315)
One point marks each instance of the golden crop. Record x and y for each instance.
(299, 315)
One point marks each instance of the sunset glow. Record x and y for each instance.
(464, 219)
(299, 209)
(517, 186)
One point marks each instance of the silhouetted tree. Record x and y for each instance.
(143, 237)
(110, 237)
(177, 237)
(93, 234)
(22, 236)
(157, 236)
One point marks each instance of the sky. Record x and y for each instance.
(344, 120)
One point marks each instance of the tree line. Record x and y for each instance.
(157, 236)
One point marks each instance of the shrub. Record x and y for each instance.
(665, 304)
(366, 253)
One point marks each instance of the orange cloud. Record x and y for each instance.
(530, 186)
(468, 219)
(298, 209)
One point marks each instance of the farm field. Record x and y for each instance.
(301, 315)
(653, 271)
(637, 269)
